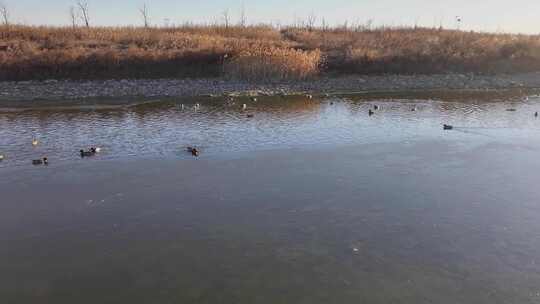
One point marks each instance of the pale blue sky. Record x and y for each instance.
(485, 15)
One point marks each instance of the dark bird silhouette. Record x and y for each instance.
(448, 127)
(193, 151)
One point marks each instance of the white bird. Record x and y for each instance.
(98, 149)
(35, 142)
(244, 106)
(1, 157)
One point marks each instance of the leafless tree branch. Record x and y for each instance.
(84, 14)
(4, 14)
(73, 16)
(226, 18)
(144, 15)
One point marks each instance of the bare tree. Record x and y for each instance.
(144, 15)
(226, 18)
(311, 19)
(4, 14)
(243, 19)
(73, 16)
(83, 9)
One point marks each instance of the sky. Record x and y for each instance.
(520, 16)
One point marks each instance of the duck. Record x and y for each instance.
(244, 106)
(536, 114)
(86, 153)
(375, 107)
(35, 142)
(511, 110)
(253, 98)
(413, 109)
(309, 96)
(250, 116)
(448, 127)
(331, 103)
(43, 161)
(193, 151)
(97, 149)
(1, 157)
(370, 112)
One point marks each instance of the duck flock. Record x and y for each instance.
(92, 151)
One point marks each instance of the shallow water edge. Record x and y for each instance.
(122, 93)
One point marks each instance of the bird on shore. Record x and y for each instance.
(193, 151)
(448, 127)
(35, 142)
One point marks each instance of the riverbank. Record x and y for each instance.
(25, 94)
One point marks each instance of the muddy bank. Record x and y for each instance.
(126, 92)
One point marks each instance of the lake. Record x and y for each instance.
(308, 201)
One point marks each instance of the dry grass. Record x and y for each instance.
(255, 52)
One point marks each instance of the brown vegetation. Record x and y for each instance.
(255, 52)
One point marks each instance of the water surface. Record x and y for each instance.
(309, 201)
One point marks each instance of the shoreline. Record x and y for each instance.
(121, 93)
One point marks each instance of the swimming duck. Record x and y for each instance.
(375, 107)
(511, 110)
(43, 161)
(35, 142)
(447, 127)
(86, 153)
(97, 150)
(536, 114)
(244, 106)
(253, 98)
(250, 116)
(413, 109)
(331, 103)
(370, 112)
(309, 96)
(1, 157)
(193, 151)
